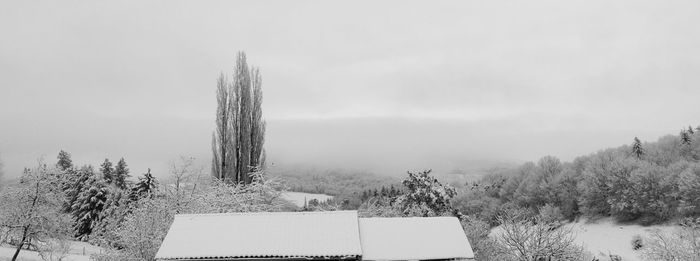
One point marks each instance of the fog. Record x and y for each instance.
(381, 145)
(385, 87)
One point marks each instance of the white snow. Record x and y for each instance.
(604, 237)
(80, 251)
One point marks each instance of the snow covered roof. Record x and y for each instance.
(313, 235)
(332, 234)
(416, 238)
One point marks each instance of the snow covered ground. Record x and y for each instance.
(80, 251)
(298, 198)
(604, 237)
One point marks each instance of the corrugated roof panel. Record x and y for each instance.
(266, 234)
(416, 238)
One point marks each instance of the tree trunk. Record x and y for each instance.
(21, 243)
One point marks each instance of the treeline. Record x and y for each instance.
(53, 204)
(88, 192)
(384, 192)
(346, 187)
(643, 182)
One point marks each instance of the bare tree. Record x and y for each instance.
(237, 142)
(242, 125)
(532, 239)
(681, 245)
(184, 179)
(222, 140)
(257, 134)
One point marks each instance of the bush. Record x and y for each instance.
(536, 239)
(637, 242)
(551, 214)
(682, 244)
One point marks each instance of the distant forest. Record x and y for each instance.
(346, 186)
(644, 182)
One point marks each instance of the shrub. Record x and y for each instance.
(637, 242)
(682, 244)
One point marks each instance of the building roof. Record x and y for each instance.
(263, 235)
(415, 238)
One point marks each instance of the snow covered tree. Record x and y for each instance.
(31, 211)
(121, 173)
(75, 182)
(143, 229)
(88, 205)
(637, 148)
(145, 187)
(685, 137)
(64, 161)
(426, 192)
(683, 243)
(686, 147)
(533, 238)
(117, 206)
(239, 137)
(107, 171)
(689, 188)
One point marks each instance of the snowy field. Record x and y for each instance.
(298, 198)
(604, 237)
(80, 251)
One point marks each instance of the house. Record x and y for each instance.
(332, 235)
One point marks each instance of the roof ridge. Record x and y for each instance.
(447, 217)
(271, 213)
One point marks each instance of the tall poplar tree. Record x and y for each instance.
(239, 137)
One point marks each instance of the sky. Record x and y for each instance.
(383, 86)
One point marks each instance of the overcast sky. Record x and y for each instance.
(392, 84)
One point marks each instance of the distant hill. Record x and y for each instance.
(343, 184)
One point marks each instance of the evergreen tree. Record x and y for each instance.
(685, 137)
(75, 183)
(423, 190)
(121, 173)
(690, 130)
(237, 142)
(145, 187)
(64, 161)
(88, 206)
(107, 171)
(637, 148)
